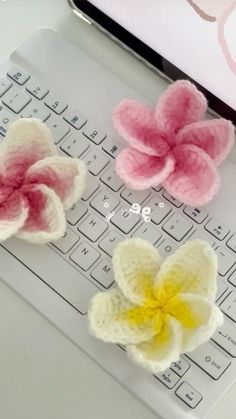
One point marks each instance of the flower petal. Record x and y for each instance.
(106, 321)
(191, 269)
(66, 176)
(195, 179)
(181, 104)
(27, 141)
(46, 218)
(135, 264)
(157, 354)
(215, 137)
(136, 124)
(140, 171)
(209, 318)
(13, 213)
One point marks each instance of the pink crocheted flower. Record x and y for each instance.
(36, 185)
(172, 145)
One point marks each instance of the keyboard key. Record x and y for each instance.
(113, 148)
(180, 367)
(157, 188)
(196, 214)
(111, 179)
(232, 279)
(19, 75)
(66, 242)
(229, 306)
(110, 241)
(188, 394)
(167, 247)
(75, 213)
(210, 360)
(103, 273)
(75, 118)
(96, 161)
(202, 235)
(93, 227)
(148, 232)
(75, 145)
(36, 110)
(104, 203)
(231, 243)
(225, 261)
(172, 199)
(225, 337)
(95, 135)
(221, 289)
(58, 128)
(217, 229)
(92, 187)
(169, 378)
(85, 256)
(125, 220)
(4, 85)
(6, 119)
(122, 347)
(159, 210)
(55, 271)
(55, 104)
(37, 89)
(132, 196)
(16, 99)
(177, 227)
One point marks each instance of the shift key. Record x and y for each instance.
(54, 271)
(212, 361)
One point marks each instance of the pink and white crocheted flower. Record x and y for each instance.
(36, 184)
(172, 145)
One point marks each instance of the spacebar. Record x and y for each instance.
(55, 272)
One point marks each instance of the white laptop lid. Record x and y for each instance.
(197, 36)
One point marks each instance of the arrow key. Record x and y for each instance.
(169, 378)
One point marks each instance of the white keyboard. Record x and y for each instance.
(92, 234)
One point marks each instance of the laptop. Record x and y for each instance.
(60, 278)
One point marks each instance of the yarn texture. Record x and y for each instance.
(172, 145)
(160, 308)
(36, 184)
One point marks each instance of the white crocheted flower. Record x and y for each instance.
(161, 309)
(36, 184)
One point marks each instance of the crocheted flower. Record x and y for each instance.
(160, 309)
(36, 185)
(172, 146)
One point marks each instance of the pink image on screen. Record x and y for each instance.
(223, 12)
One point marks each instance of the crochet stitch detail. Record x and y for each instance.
(36, 184)
(160, 308)
(172, 145)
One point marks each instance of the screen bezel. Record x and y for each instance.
(97, 17)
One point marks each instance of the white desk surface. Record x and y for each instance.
(42, 374)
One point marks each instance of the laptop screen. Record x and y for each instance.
(197, 36)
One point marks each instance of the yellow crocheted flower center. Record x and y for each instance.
(160, 303)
